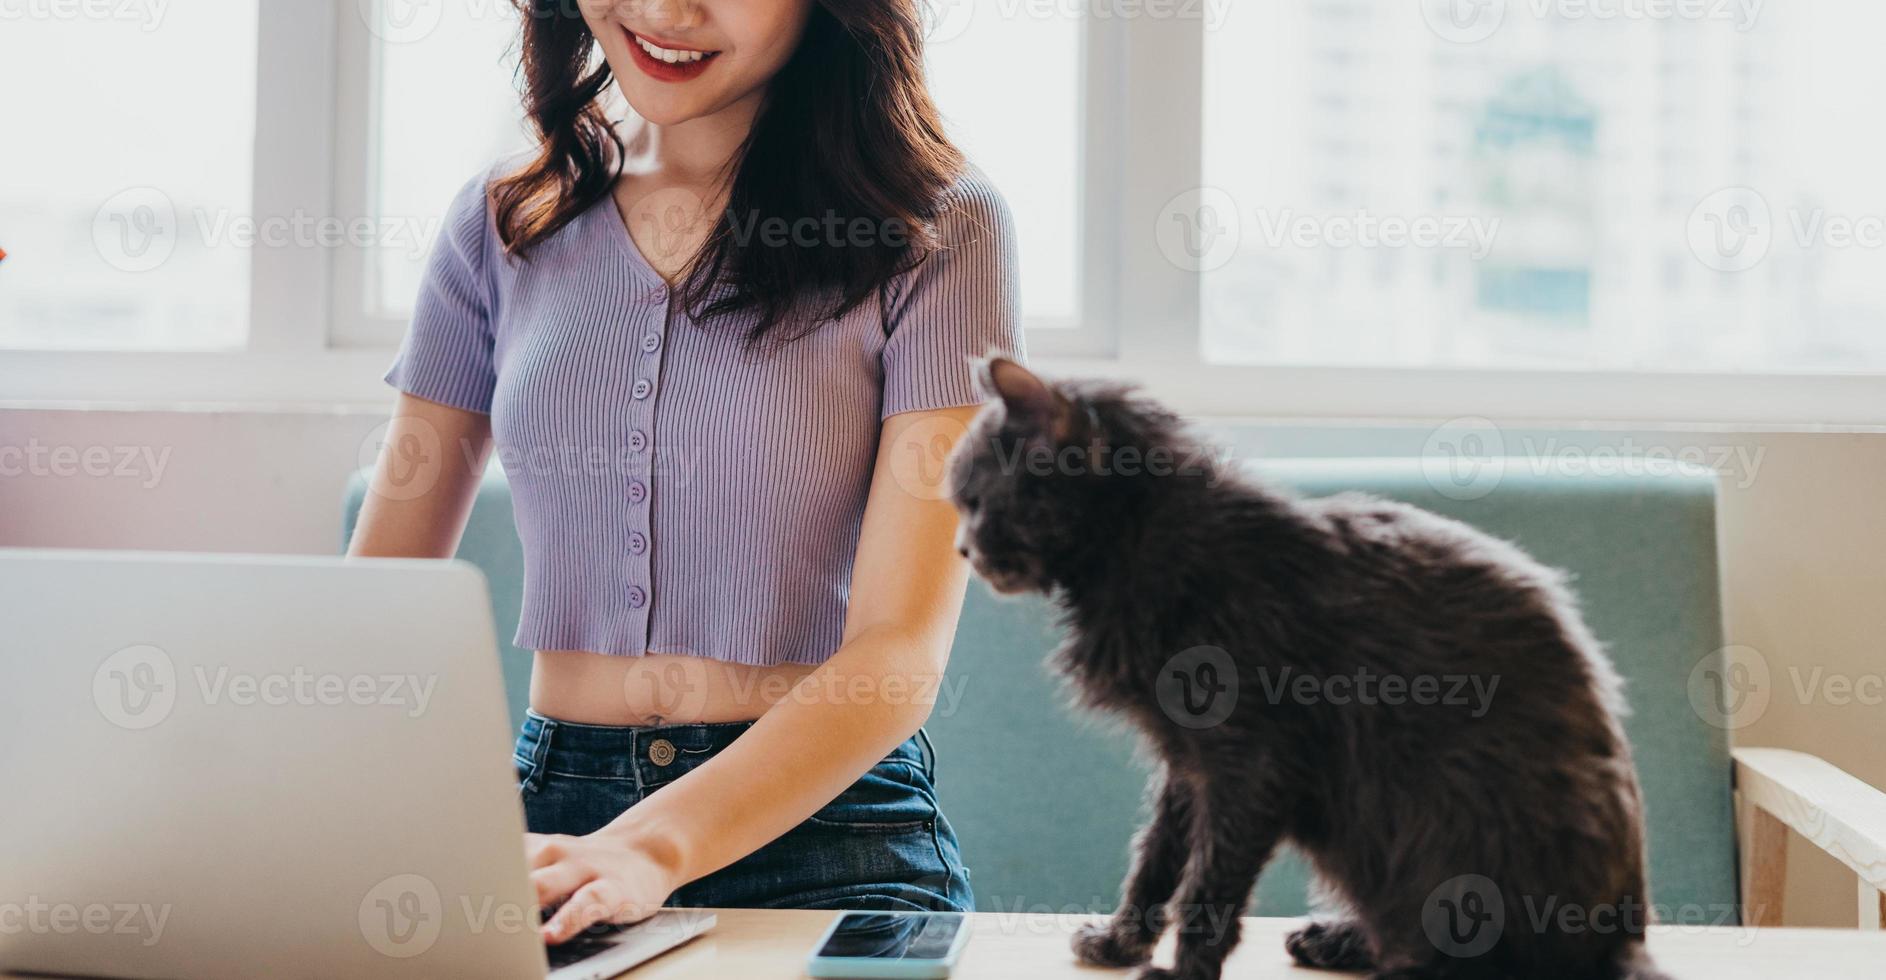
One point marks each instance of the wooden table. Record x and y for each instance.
(758, 944)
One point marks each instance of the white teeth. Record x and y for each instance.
(671, 57)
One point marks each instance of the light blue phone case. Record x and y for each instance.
(870, 968)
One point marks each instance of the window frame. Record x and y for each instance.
(294, 150)
(1141, 135)
(351, 325)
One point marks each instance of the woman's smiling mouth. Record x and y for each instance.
(668, 62)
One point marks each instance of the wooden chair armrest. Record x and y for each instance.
(1831, 808)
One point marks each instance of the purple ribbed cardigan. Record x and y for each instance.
(676, 492)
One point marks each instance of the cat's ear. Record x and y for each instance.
(1028, 399)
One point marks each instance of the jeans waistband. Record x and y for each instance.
(649, 755)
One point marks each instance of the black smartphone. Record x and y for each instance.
(890, 946)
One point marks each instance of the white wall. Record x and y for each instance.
(198, 481)
(1804, 547)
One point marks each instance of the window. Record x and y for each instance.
(1029, 146)
(1383, 208)
(447, 107)
(1677, 187)
(123, 219)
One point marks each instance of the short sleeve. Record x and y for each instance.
(447, 354)
(958, 303)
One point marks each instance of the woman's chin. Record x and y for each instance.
(664, 108)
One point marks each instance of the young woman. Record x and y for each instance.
(719, 356)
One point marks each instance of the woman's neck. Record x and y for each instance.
(699, 151)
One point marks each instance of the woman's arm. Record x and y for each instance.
(906, 591)
(424, 483)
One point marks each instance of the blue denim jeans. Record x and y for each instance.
(882, 845)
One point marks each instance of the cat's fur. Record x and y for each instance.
(1529, 785)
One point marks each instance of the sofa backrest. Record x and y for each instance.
(1045, 801)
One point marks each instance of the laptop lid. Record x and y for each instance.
(223, 766)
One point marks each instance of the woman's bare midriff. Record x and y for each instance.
(658, 689)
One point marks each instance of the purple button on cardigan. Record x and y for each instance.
(676, 492)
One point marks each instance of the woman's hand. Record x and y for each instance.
(602, 877)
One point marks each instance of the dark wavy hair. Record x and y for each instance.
(847, 132)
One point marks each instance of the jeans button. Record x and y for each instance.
(661, 752)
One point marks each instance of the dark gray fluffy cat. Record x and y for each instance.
(1419, 708)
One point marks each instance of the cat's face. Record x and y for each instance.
(1014, 517)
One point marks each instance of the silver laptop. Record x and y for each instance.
(231, 767)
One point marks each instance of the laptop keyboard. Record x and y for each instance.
(579, 949)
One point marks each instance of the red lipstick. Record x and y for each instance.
(663, 71)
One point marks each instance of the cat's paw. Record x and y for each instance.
(1096, 944)
(1329, 946)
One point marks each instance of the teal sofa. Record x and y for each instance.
(1045, 801)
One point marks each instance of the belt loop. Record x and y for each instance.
(540, 752)
(929, 754)
(636, 769)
